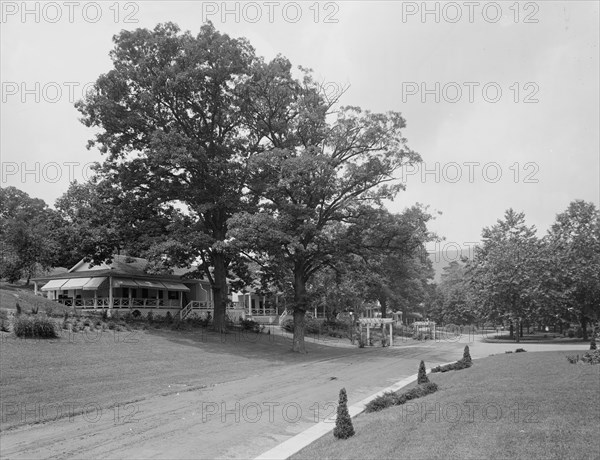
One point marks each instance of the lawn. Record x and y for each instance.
(108, 368)
(525, 405)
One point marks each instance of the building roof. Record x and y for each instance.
(125, 266)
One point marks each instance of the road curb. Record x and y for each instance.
(301, 440)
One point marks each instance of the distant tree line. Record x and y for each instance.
(518, 279)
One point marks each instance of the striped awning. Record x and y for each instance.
(53, 285)
(124, 282)
(150, 284)
(75, 283)
(94, 284)
(176, 286)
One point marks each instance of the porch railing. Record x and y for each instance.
(119, 302)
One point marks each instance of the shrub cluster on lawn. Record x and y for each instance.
(458, 365)
(520, 350)
(593, 344)
(394, 398)
(343, 422)
(590, 357)
(40, 327)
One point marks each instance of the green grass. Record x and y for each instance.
(10, 294)
(109, 368)
(526, 405)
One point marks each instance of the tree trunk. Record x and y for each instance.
(383, 303)
(583, 321)
(219, 293)
(512, 331)
(299, 311)
(518, 328)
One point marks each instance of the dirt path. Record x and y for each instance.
(237, 419)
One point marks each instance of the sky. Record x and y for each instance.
(501, 99)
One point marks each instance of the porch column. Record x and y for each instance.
(95, 298)
(391, 335)
(35, 291)
(110, 297)
(180, 299)
(130, 298)
(368, 333)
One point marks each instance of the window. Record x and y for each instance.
(173, 295)
(144, 293)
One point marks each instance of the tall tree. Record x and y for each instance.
(395, 269)
(172, 124)
(573, 246)
(27, 229)
(315, 176)
(503, 271)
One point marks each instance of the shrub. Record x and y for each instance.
(593, 344)
(311, 326)
(467, 355)
(343, 423)
(422, 376)
(590, 357)
(150, 316)
(458, 365)
(38, 327)
(49, 310)
(19, 310)
(168, 318)
(396, 399)
(520, 350)
(249, 325)
(35, 309)
(4, 322)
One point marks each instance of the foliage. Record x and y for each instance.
(34, 327)
(590, 357)
(503, 272)
(396, 399)
(27, 231)
(422, 376)
(315, 174)
(172, 119)
(248, 324)
(520, 350)
(458, 365)
(466, 354)
(572, 273)
(343, 423)
(593, 344)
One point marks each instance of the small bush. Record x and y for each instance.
(38, 327)
(422, 376)
(150, 317)
(520, 350)
(466, 355)
(249, 325)
(593, 344)
(4, 322)
(343, 423)
(590, 357)
(35, 309)
(19, 311)
(392, 398)
(458, 365)
(168, 318)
